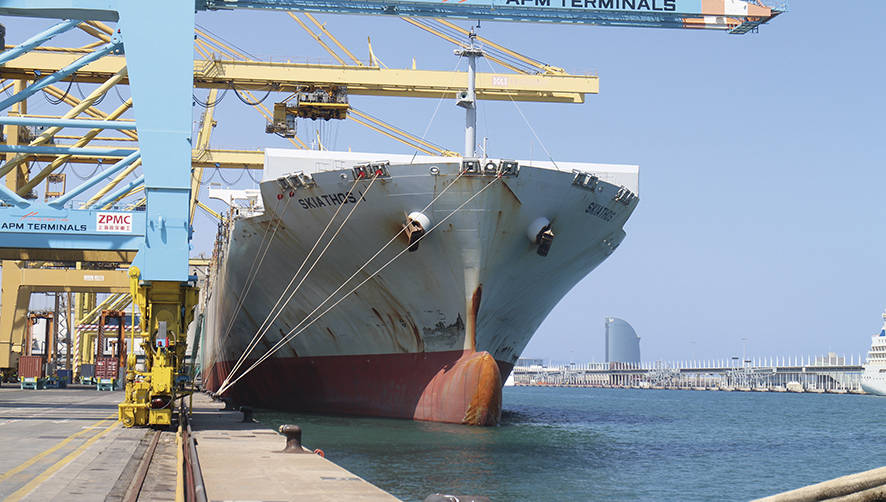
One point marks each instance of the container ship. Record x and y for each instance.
(399, 285)
(434, 334)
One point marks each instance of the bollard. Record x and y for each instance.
(293, 439)
(247, 414)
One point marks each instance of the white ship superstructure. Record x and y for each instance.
(873, 380)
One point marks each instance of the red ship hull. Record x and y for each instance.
(455, 386)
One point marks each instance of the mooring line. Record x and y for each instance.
(266, 325)
(290, 336)
(226, 383)
(253, 270)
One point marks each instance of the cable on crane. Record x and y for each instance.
(249, 173)
(252, 103)
(209, 179)
(230, 183)
(94, 103)
(289, 336)
(99, 100)
(117, 90)
(97, 167)
(443, 29)
(58, 101)
(266, 324)
(207, 104)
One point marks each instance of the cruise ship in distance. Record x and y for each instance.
(873, 380)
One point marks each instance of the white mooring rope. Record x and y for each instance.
(254, 342)
(266, 324)
(293, 333)
(253, 270)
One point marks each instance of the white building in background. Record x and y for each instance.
(622, 342)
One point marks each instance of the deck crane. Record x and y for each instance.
(160, 69)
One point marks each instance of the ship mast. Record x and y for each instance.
(468, 99)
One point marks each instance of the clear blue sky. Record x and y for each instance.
(761, 159)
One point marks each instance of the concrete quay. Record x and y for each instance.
(244, 461)
(66, 444)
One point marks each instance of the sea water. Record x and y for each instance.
(613, 444)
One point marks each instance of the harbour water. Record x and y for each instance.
(613, 444)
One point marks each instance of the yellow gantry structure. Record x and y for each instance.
(359, 80)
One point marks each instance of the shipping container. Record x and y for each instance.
(30, 367)
(106, 367)
(87, 370)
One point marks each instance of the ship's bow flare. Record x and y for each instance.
(468, 392)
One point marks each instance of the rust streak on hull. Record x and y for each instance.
(473, 310)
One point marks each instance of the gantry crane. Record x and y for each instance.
(241, 75)
(160, 73)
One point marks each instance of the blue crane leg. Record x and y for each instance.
(160, 65)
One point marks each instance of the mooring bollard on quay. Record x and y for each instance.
(293, 439)
(247, 415)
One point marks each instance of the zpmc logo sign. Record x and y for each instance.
(113, 222)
